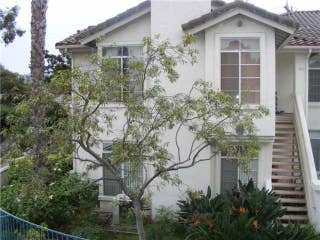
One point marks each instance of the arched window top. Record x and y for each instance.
(314, 61)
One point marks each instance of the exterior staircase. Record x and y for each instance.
(287, 178)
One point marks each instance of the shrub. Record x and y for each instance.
(245, 213)
(260, 205)
(58, 202)
(164, 226)
(291, 232)
(199, 208)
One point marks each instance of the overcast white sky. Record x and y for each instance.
(65, 17)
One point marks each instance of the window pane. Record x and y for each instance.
(234, 94)
(250, 84)
(250, 58)
(250, 44)
(314, 61)
(230, 44)
(110, 186)
(125, 51)
(229, 174)
(229, 71)
(107, 147)
(135, 51)
(250, 71)
(250, 97)
(315, 143)
(230, 58)
(314, 85)
(250, 171)
(133, 180)
(110, 51)
(230, 84)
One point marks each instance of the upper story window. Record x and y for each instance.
(125, 54)
(240, 69)
(314, 78)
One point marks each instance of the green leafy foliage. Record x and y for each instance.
(198, 205)
(8, 24)
(245, 213)
(164, 226)
(59, 202)
(13, 91)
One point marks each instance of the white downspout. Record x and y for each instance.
(307, 84)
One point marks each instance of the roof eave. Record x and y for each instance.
(114, 26)
(65, 46)
(232, 13)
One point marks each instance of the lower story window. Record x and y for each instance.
(232, 173)
(132, 175)
(315, 144)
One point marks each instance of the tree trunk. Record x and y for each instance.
(38, 33)
(139, 219)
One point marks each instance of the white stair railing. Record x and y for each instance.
(311, 181)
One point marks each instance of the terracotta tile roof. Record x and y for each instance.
(81, 34)
(242, 5)
(308, 33)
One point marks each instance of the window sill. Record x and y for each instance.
(251, 106)
(114, 105)
(314, 104)
(107, 198)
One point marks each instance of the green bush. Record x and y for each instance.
(164, 226)
(197, 207)
(59, 202)
(246, 213)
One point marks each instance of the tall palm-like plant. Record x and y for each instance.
(38, 33)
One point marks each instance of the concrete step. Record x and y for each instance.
(286, 177)
(292, 200)
(295, 217)
(286, 192)
(286, 163)
(284, 127)
(284, 132)
(296, 209)
(286, 170)
(287, 185)
(285, 156)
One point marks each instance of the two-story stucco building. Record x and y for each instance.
(274, 58)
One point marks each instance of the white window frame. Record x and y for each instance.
(239, 171)
(315, 134)
(217, 56)
(312, 68)
(101, 46)
(121, 169)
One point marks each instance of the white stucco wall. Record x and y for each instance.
(131, 33)
(266, 35)
(285, 81)
(166, 19)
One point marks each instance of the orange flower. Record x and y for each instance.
(233, 209)
(255, 224)
(195, 219)
(196, 222)
(242, 209)
(209, 223)
(257, 210)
